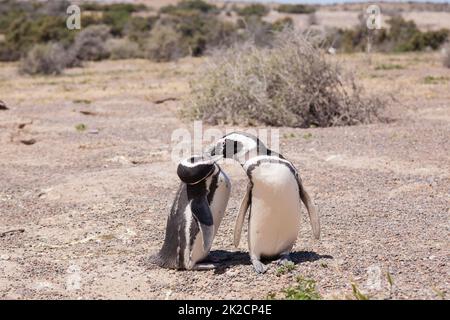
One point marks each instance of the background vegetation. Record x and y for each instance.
(291, 83)
(191, 27)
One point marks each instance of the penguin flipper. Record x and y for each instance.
(313, 215)
(241, 215)
(203, 216)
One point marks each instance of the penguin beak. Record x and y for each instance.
(210, 153)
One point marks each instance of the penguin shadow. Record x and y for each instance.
(298, 257)
(227, 259)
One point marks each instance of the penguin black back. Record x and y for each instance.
(191, 215)
(172, 253)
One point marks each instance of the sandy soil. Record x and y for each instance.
(92, 204)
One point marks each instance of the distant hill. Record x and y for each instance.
(401, 6)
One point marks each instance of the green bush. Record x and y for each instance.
(117, 15)
(138, 28)
(199, 32)
(128, 7)
(305, 289)
(8, 16)
(407, 37)
(189, 5)
(422, 40)
(295, 8)
(88, 19)
(254, 9)
(23, 32)
(401, 36)
(116, 19)
(48, 59)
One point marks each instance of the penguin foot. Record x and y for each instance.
(285, 259)
(259, 267)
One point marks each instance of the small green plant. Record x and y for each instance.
(271, 296)
(289, 135)
(439, 293)
(307, 136)
(82, 101)
(390, 280)
(305, 289)
(286, 268)
(324, 265)
(389, 66)
(358, 294)
(81, 127)
(435, 80)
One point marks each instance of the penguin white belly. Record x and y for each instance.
(274, 218)
(218, 205)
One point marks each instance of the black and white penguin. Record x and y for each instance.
(273, 198)
(196, 214)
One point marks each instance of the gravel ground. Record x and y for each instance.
(86, 209)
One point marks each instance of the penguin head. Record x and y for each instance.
(236, 146)
(195, 169)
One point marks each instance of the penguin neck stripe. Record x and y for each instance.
(264, 158)
(207, 176)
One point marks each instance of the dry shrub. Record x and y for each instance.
(122, 49)
(164, 44)
(446, 60)
(290, 84)
(90, 43)
(44, 59)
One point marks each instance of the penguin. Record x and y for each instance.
(273, 199)
(196, 214)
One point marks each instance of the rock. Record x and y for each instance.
(3, 106)
(28, 142)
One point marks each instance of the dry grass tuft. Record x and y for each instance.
(290, 84)
(446, 60)
(164, 44)
(90, 43)
(122, 48)
(44, 59)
